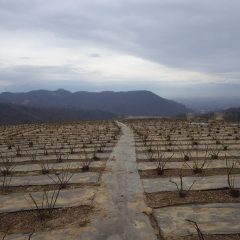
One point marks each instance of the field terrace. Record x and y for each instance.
(49, 174)
(190, 172)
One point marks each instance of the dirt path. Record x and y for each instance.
(121, 197)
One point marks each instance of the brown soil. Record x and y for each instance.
(53, 171)
(52, 154)
(152, 173)
(163, 199)
(208, 237)
(51, 161)
(34, 220)
(182, 160)
(176, 149)
(26, 189)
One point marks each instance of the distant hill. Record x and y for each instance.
(131, 103)
(12, 114)
(206, 104)
(232, 114)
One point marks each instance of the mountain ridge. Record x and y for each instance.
(124, 103)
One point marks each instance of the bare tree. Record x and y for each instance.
(181, 191)
(199, 232)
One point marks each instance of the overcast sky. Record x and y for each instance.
(176, 48)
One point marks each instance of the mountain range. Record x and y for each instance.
(13, 114)
(40, 103)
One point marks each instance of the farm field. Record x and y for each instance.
(191, 177)
(50, 174)
(129, 179)
(119, 120)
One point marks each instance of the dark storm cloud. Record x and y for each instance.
(202, 35)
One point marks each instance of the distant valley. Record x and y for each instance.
(204, 105)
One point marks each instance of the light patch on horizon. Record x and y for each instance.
(125, 67)
(4, 83)
(102, 65)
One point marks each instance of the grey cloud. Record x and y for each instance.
(197, 35)
(34, 74)
(201, 35)
(95, 55)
